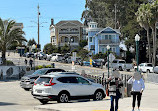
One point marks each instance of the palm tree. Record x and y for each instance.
(143, 16)
(153, 20)
(8, 35)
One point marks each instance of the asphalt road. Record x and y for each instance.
(88, 70)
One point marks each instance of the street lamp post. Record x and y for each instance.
(108, 47)
(137, 38)
(33, 48)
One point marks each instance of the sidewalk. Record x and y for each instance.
(149, 103)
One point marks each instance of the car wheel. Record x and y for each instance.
(128, 70)
(98, 96)
(63, 98)
(26, 89)
(148, 71)
(120, 68)
(43, 101)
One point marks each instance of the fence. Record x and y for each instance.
(102, 80)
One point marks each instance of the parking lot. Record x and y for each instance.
(14, 98)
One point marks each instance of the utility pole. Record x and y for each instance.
(38, 22)
(115, 16)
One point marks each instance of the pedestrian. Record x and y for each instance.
(31, 62)
(101, 64)
(115, 91)
(25, 62)
(137, 88)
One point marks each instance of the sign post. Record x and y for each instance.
(73, 60)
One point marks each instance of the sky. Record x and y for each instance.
(25, 11)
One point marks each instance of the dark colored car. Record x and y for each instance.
(28, 55)
(98, 62)
(27, 81)
(95, 63)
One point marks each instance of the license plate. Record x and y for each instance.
(39, 91)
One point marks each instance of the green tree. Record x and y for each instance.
(65, 49)
(31, 42)
(143, 17)
(100, 56)
(153, 21)
(83, 54)
(8, 35)
(83, 43)
(49, 49)
(103, 12)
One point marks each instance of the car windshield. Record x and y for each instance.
(40, 71)
(43, 80)
(114, 61)
(121, 61)
(149, 65)
(97, 60)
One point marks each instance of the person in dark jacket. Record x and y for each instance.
(31, 62)
(25, 62)
(115, 85)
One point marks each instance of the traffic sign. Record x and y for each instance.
(111, 57)
(74, 56)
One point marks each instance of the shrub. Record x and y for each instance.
(48, 66)
(9, 63)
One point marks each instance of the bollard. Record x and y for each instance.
(100, 80)
(122, 76)
(96, 79)
(125, 80)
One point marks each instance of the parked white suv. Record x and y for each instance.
(144, 67)
(56, 57)
(63, 88)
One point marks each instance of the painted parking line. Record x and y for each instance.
(103, 110)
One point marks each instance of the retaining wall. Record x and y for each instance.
(10, 72)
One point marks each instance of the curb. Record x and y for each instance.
(44, 109)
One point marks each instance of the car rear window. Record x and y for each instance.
(67, 80)
(40, 71)
(43, 80)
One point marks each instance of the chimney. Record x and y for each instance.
(52, 21)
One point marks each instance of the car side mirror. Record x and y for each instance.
(90, 83)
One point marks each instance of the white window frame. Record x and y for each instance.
(102, 50)
(103, 37)
(90, 39)
(113, 49)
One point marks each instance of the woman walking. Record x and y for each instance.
(115, 84)
(137, 88)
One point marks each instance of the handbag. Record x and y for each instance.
(132, 93)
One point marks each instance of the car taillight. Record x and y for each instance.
(50, 83)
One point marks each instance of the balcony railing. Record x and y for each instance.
(71, 44)
(68, 32)
(109, 42)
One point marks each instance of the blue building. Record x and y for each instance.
(99, 38)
